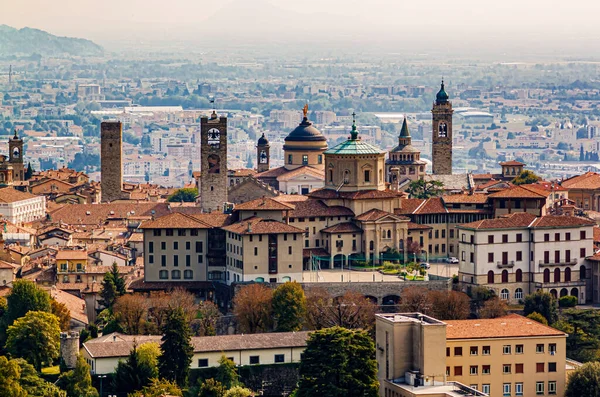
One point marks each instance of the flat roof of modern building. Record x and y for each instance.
(409, 318)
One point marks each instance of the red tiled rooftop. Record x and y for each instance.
(257, 225)
(511, 326)
(263, 204)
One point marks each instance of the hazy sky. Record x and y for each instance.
(547, 23)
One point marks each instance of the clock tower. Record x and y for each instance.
(15, 147)
(213, 153)
(262, 154)
(442, 134)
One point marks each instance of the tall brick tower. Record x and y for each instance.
(15, 148)
(111, 160)
(262, 154)
(442, 134)
(213, 157)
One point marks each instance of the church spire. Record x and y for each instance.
(404, 133)
(354, 132)
(442, 95)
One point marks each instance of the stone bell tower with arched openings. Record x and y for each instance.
(441, 155)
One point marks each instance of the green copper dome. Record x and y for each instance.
(442, 95)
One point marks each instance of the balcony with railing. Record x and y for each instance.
(562, 262)
(507, 264)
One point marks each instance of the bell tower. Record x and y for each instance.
(442, 133)
(263, 157)
(15, 148)
(213, 156)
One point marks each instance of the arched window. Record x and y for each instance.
(504, 294)
(582, 272)
(371, 245)
(389, 234)
(567, 274)
(163, 274)
(546, 275)
(330, 175)
(491, 277)
(505, 276)
(175, 274)
(557, 275)
(519, 276)
(518, 293)
(188, 274)
(401, 245)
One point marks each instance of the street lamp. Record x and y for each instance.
(101, 377)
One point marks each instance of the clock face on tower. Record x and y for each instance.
(263, 157)
(214, 137)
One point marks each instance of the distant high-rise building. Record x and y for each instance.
(213, 154)
(442, 134)
(111, 160)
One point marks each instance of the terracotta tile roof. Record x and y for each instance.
(10, 195)
(136, 238)
(549, 186)
(516, 220)
(290, 198)
(6, 265)
(483, 176)
(493, 182)
(241, 172)
(596, 234)
(346, 227)
(465, 199)
(511, 326)
(119, 345)
(408, 206)
(360, 195)
(214, 219)
(312, 207)
(75, 305)
(589, 180)
(375, 214)
(433, 205)
(512, 163)
(417, 226)
(272, 173)
(257, 225)
(71, 255)
(520, 191)
(553, 221)
(263, 204)
(175, 220)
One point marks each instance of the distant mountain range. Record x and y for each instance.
(29, 41)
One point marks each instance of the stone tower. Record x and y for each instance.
(263, 156)
(213, 157)
(15, 148)
(442, 134)
(69, 348)
(111, 159)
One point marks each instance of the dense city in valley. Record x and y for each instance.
(212, 220)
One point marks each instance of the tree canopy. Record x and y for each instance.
(543, 303)
(585, 381)
(289, 307)
(425, 189)
(24, 297)
(78, 381)
(252, 306)
(526, 177)
(186, 195)
(176, 348)
(134, 373)
(113, 286)
(338, 362)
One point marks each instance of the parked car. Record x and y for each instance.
(425, 265)
(452, 260)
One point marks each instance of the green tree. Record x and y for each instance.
(133, 374)
(176, 348)
(238, 391)
(226, 373)
(63, 313)
(543, 303)
(29, 172)
(187, 195)
(205, 323)
(526, 177)
(289, 307)
(159, 388)
(113, 286)
(535, 316)
(24, 296)
(148, 353)
(583, 329)
(425, 189)
(338, 362)
(10, 373)
(211, 388)
(33, 384)
(585, 381)
(35, 337)
(78, 381)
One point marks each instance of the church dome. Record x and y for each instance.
(263, 141)
(305, 132)
(442, 95)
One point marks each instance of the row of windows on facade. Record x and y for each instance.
(312, 219)
(236, 249)
(253, 360)
(540, 348)
(442, 219)
(171, 232)
(176, 275)
(175, 263)
(558, 259)
(507, 390)
(305, 159)
(506, 369)
(557, 279)
(519, 237)
(366, 176)
(188, 246)
(238, 237)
